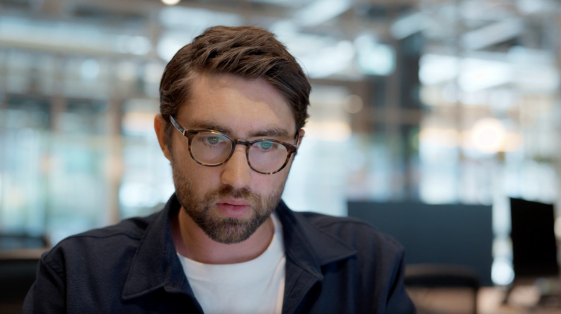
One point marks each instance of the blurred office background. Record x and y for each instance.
(419, 101)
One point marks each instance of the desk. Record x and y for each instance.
(22, 253)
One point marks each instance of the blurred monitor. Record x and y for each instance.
(435, 234)
(17, 241)
(534, 250)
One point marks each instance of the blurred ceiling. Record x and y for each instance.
(322, 34)
(326, 35)
(316, 16)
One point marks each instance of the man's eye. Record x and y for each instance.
(212, 140)
(265, 145)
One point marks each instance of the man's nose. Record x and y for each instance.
(236, 171)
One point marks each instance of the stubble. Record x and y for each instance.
(227, 230)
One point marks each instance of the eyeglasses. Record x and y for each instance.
(212, 148)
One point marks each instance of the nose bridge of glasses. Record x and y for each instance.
(235, 143)
(236, 162)
(247, 144)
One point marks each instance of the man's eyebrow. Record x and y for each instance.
(272, 132)
(209, 126)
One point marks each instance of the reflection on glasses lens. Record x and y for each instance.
(267, 156)
(210, 148)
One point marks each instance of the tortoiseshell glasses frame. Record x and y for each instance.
(190, 134)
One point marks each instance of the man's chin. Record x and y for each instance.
(232, 230)
(229, 230)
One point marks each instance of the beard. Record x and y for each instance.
(227, 230)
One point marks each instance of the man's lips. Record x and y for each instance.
(233, 201)
(233, 208)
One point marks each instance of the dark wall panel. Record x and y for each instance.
(439, 234)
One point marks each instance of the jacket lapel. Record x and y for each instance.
(155, 264)
(307, 249)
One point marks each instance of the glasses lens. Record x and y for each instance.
(267, 156)
(210, 148)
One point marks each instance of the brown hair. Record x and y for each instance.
(247, 51)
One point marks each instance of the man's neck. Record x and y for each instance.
(191, 242)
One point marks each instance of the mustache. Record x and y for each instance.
(228, 190)
(244, 193)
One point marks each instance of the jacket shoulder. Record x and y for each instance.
(354, 232)
(119, 239)
(132, 228)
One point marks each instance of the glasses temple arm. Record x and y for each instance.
(176, 125)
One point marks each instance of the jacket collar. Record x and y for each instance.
(308, 246)
(156, 265)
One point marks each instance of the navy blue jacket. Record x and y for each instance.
(333, 265)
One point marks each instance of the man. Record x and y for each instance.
(233, 104)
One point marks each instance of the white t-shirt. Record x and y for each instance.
(255, 286)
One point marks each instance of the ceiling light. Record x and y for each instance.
(170, 2)
(488, 135)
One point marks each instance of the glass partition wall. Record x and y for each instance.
(433, 101)
(489, 84)
(66, 132)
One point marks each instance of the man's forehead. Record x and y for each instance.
(236, 105)
(256, 89)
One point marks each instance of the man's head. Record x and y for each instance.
(242, 82)
(248, 52)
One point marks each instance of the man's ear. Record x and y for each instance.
(300, 137)
(160, 128)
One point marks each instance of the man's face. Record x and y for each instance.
(231, 201)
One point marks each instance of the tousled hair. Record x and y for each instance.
(246, 51)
